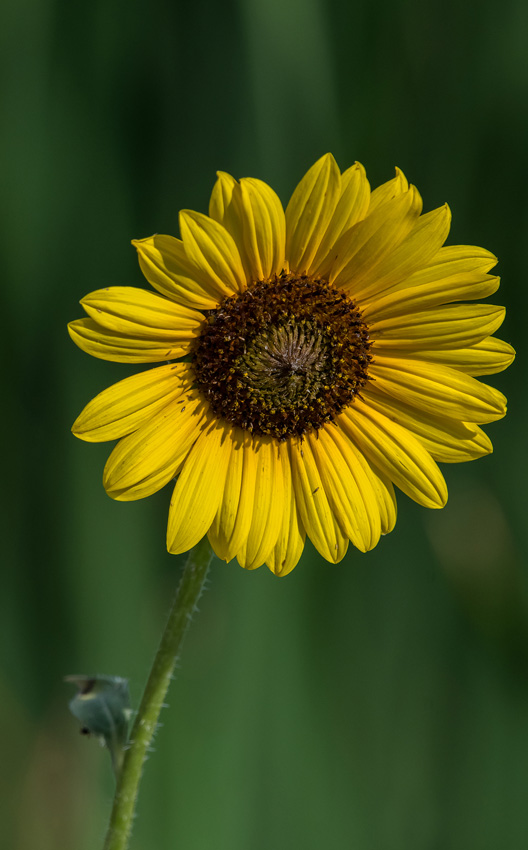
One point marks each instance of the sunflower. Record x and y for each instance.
(313, 358)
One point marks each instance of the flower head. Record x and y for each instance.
(326, 358)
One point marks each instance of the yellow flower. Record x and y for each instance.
(327, 357)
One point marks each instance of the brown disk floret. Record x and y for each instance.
(284, 357)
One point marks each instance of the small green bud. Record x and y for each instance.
(102, 704)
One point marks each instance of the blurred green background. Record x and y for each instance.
(381, 704)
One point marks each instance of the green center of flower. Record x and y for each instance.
(284, 357)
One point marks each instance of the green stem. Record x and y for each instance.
(184, 605)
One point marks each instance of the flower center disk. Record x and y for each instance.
(284, 357)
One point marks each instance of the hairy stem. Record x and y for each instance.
(184, 605)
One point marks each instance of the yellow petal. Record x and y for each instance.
(401, 302)
(457, 272)
(199, 488)
(268, 505)
(396, 452)
(454, 260)
(314, 508)
(290, 543)
(143, 462)
(454, 326)
(382, 487)
(108, 345)
(232, 522)
(389, 190)
(437, 389)
(347, 488)
(136, 312)
(125, 406)
(446, 440)
(212, 252)
(370, 241)
(414, 252)
(310, 211)
(385, 495)
(351, 208)
(262, 225)
(221, 197)
(164, 263)
(486, 358)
